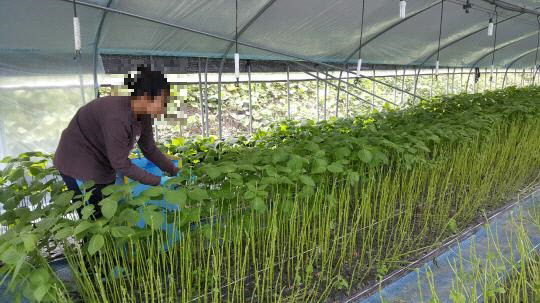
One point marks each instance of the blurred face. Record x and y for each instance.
(149, 105)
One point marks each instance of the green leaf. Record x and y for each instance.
(122, 231)
(307, 180)
(41, 291)
(342, 152)
(35, 199)
(87, 185)
(96, 243)
(295, 162)
(380, 156)
(258, 204)
(248, 195)
(87, 211)
(64, 233)
(198, 194)
(129, 215)
(74, 206)
(177, 197)
(108, 207)
(153, 219)
(271, 171)
(319, 166)
(84, 225)
(452, 225)
(279, 156)
(29, 241)
(212, 171)
(64, 198)
(335, 167)
(138, 201)
(353, 177)
(153, 192)
(16, 174)
(11, 256)
(365, 155)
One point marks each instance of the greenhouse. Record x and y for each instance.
(269, 151)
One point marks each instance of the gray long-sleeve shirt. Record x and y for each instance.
(97, 142)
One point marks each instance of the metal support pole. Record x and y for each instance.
(250, 100)
(416, 76)
(318, 101)
(325, 94)
(201, 98)
(206, 97)
(395, 84)
(485, 79)
(431, 85)
(347, 97)
(461, 81)
(523, 78)
(220, 126)
(337, 94)
(373, 89)
(504, 77)
(96, 49)
(403, 83)
(475, 84)
(496, 76)
(288, 95)
(3, 150)
(452, 87)
(447, 80)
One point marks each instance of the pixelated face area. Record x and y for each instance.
(150, 105)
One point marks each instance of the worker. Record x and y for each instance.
(97, 142)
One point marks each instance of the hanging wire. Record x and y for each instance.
(236, 55)
(361, 36)
(494, 44)
(74, 9)
(439, 44)
(236, 25)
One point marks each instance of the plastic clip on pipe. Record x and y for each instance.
(490, 27)
(402, 8)
(237, 66)
(77, 34)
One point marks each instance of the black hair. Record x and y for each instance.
(147, 82)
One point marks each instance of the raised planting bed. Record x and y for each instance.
(306, 212)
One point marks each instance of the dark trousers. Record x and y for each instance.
(95, 198)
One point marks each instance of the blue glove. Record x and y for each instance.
(163, 180)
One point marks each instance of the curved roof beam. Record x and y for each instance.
(452, 42)
(491, 52)
(391, 26)
(516, 60)
(458, 39)
(222, 38)
(248, 24)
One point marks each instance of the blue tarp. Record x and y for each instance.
(414, 287)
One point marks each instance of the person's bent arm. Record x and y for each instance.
(151, 151)
(118, 149)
